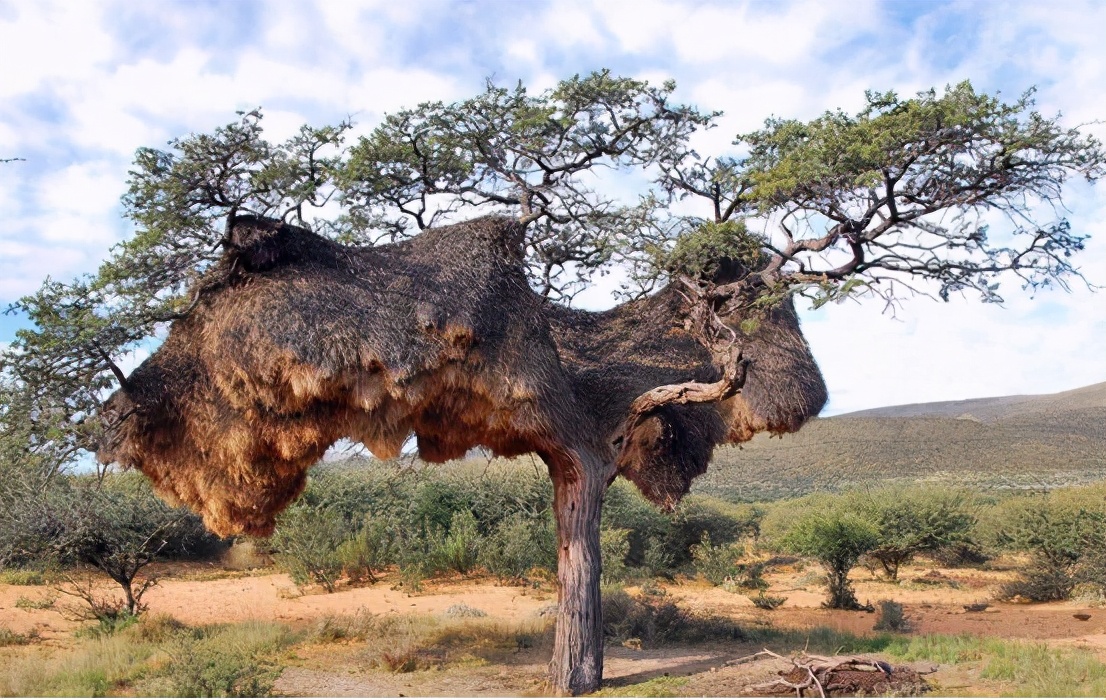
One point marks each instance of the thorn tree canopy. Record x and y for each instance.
(313, 293)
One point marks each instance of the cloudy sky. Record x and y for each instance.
(83, 84)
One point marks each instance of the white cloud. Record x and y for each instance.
(39, 39)
(569, 25)
(23, 266)
(763, 33)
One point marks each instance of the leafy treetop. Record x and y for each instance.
(888, 200)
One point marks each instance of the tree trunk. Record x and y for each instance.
(128, 591)
(577, 665)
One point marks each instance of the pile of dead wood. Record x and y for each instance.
(837, 676)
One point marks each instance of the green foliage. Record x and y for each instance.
(880, 188)
(225, 661)
(42, 603)
(913, 521)
(459, 549)
(22, 577)
(891, 618)
(306, 543)
(716, 563)
(700, 253)
(371, 550)
(1063, 532)
(518, 545)
(527, 153)
(837, 539)
(726, 522)
(614, 545)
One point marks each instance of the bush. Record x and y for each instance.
(716, 564)
(464, 610)
(370, 551)
(767, 602)
(224, 661)
(459, 549)
(306, 543)
(614, 545)
(9, 638)
(1063, 534)
(726, 523)
(891, 617)
(117, 527)
(655, 622)
(837, 539)
(624, 508)
(23, 577)
(519, 544)
(913, 521)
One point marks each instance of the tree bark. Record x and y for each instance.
(577, 665)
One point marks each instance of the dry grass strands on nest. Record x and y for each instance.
(298, 342)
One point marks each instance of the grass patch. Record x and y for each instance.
(22, 577)
(44, 603)
(156, 656)
(1030, 668)
(659, 687)
(11, 639)
(407, 643)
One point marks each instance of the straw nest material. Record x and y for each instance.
(298, 341)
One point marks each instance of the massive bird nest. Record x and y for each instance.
(297, 342)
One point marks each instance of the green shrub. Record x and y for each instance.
(459, 550)
(837, 539)
(224, 661)
(915, 520)
(614, 545)
(1063, 534)
(306, 543)
(370, 551)
(44, 603)
(891, 618)
(624, 508)
(23, 577)
(767, 602)
(726, 522)
(716, 564)
(519, 544)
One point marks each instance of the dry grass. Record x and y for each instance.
(157, 656)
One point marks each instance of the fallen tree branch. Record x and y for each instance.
(836, 676)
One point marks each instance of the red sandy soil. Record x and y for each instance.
(194, 595)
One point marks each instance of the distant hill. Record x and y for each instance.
(1010, 442)
(997, 408)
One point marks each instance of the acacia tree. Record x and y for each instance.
(837, 539)
(895, 198)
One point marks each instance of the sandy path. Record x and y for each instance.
(268, 598)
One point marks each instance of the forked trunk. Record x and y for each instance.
(577, 665)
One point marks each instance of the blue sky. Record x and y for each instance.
(82, 85)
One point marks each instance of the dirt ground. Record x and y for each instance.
(199, 595)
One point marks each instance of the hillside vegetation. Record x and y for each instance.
(1016, 442)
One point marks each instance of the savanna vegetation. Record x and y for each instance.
(360, 522)
(236, 236)
(361, 519)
